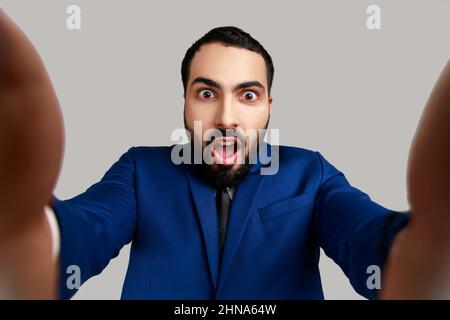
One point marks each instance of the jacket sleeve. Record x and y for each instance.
(354, 231)
(96, 224)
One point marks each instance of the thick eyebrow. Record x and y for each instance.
(248, 84)
(239, 86)
(206, 81)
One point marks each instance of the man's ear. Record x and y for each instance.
(270, 105)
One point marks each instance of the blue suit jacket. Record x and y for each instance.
(277, 224)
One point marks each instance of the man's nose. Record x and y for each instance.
(226, 117)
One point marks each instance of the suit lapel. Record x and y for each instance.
(204, 200)
(241, 207)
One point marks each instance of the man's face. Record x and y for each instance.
(227, 90)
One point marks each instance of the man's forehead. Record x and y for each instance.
(228, 65)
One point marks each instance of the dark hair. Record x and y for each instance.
(229, 36)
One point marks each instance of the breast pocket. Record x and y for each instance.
(287, 207)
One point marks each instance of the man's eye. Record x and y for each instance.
(249, 96)
(206, 94)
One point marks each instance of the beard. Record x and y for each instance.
(222, 176)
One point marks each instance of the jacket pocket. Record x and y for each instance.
(287, 206)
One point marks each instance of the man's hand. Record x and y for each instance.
(419, 264)
(31, 148)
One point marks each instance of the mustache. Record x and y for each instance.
(215, 133)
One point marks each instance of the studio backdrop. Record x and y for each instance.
(351, 80)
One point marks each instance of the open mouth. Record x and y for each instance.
(224, 150)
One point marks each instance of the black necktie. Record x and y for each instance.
(223, 202)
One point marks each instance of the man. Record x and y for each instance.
(219, 229)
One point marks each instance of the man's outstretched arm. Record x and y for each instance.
(31, 147)
(419, 264)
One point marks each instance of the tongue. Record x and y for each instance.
(225, 153)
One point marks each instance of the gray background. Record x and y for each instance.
(354, 95)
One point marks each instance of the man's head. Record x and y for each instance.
(227, 76)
